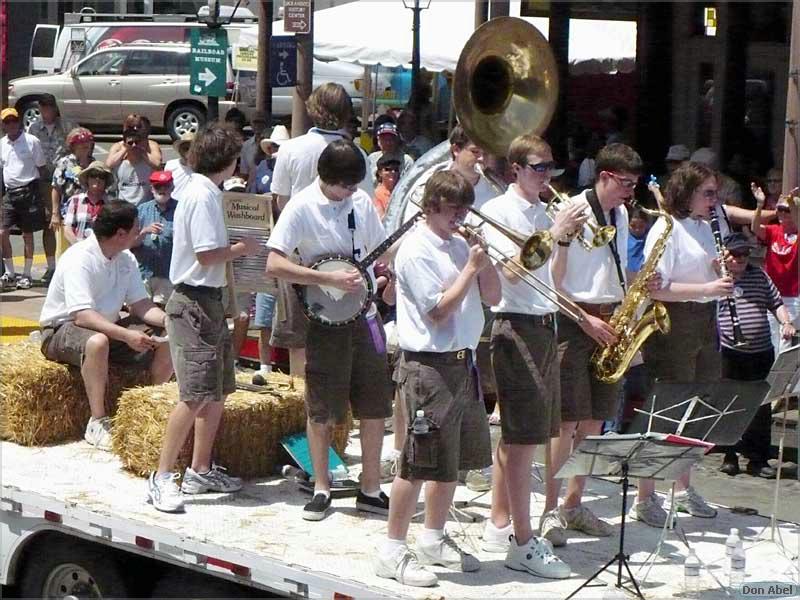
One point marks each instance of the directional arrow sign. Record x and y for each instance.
(208, 62)
(297, 16)
(283, 61)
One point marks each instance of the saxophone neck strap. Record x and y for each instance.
(597, 210)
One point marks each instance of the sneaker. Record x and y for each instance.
(24, 283)
(379, 505)
(164, 494)
(48, 276)
(8, 281)
(405, 568)
(537, 558)
(98, 433)
(689, 501)
(495, 539)
(216, 480)
(479, 480)
(318, 508)
(389, 467)
(761, 469)
(582, 519)
(553, 527)
(446, 553)
(648, 511)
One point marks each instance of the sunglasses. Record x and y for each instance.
(542, 167)
(783, 208)
(740, 254)
(628, 184)
(395, 169)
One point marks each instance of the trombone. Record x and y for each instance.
(601, 236)
(520, 268)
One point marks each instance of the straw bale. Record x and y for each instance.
(248, 443)
(44, 402)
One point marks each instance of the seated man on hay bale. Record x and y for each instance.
(80, 318)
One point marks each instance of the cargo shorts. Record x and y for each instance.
(22, 207)
(200, 344)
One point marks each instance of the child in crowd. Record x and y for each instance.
(83, 208)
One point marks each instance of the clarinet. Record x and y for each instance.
(738, 336)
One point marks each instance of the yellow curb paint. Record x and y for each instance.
(39, 260)
(13, 329)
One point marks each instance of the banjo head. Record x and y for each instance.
(332, 306)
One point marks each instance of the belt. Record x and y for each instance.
(599, 310)
(547, 320)
(199, 290)
(451, 357)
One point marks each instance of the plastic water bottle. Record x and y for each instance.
(731, 542)
(691, 575)
(737, 569)
(420, 425)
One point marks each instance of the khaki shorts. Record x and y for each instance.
(525, 364)
(690, 351)
(583, 396)
(445, 386)
(347, 366)
(290, 325)
(67, 344)
(200, 344)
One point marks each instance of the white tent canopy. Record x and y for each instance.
(371, 33)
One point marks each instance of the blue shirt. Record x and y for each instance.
(155, 251)
(263, 177)
(635, 253)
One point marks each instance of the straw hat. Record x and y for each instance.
(182, 144)
(96, 168)
(279, 135)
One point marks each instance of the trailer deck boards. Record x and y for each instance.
(261, 530)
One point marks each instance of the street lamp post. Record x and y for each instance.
(417, 8)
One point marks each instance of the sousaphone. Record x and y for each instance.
(505, 84)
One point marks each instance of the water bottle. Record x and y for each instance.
(731, 542)
(420, 425)
(691, 575)
(737, 566)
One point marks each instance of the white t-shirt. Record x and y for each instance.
(21, 159)
(296, 163)
(316, 226)
(426, 266)
(688, 254)
(86, 279)
(180, 176)
(199, 226)
(592, 276)
(517, 213)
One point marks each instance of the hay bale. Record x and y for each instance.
(44, 402)
(248, 443)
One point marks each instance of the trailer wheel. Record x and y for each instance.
(179, 583)
(64, 568)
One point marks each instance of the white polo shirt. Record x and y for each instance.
(180, 176)
(592, 276)
(517, 213)
(199, 226)
(21, 160)
(426, 266)
(688, 254)
(316, 226)
(86, 279)
(296, 163)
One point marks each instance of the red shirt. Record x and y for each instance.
(781, 260)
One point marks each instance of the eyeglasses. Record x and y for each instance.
(709, 194)
(542, 167)
(740, 254)
(628, 184)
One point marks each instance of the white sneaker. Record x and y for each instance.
(98, 433)
(537, 558)
(495, 540)
(389, 466)
(446, 553)
(163, 492)
(690, 501)
(405, 568)
(648, 511)
(216, 480)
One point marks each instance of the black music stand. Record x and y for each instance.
(652, 455)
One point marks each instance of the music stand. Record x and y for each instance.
(651, 455)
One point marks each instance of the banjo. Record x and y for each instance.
(333, 307)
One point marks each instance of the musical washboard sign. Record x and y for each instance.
(249, 215)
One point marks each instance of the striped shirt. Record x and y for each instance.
(755, 296)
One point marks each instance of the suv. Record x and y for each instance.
(151, 80)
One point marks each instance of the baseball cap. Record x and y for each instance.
(387, 128)
(705, 156)
(678, 152)
(9, 113)
(736, 242)
(161, 177)
(234, 184)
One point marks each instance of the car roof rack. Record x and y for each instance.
(89, 15)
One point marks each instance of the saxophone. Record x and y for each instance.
(611, 362)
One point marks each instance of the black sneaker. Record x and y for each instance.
(318, 508)
(48, 276)
(378, 505)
